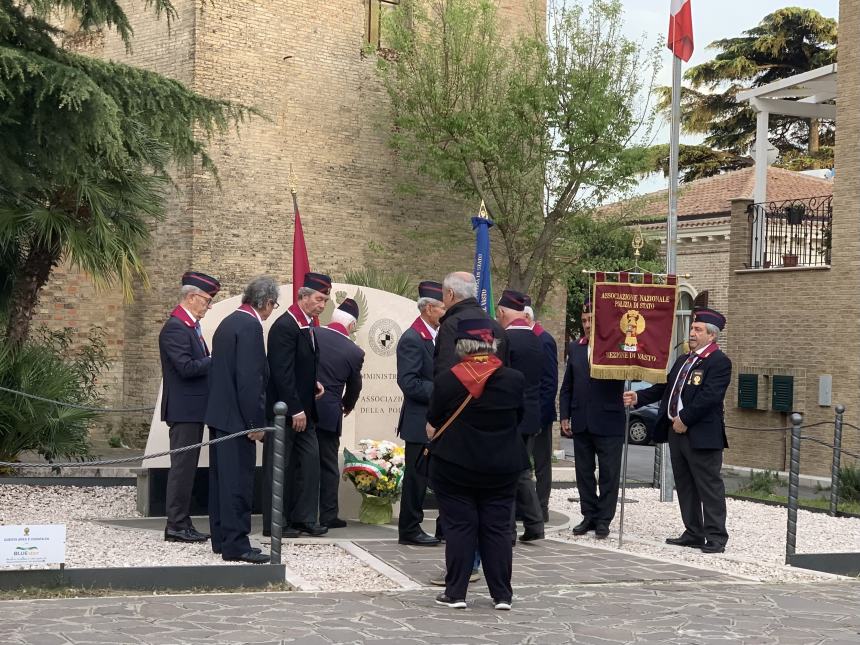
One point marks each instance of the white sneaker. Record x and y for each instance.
(444, 600)
(502, 605)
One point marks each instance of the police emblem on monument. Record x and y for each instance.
(383, 336)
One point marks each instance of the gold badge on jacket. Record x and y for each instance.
(696, 377)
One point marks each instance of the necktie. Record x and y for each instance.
(679, 384)
(200, 337)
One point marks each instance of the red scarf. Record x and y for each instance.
(180, 313)
(537, 329)
(340, 329)
(421, 327)
(474, 371)
(298, 315)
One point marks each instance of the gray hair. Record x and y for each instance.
(529, 312)
(189, 290)
(463, 288)
(712, 329)
(260, 291)
(340, 316)
(468, 346)
(304, 292)
(424, 303)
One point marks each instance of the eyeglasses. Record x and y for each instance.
(275, 304)
(208, 299)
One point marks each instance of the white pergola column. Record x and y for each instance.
(759, 243)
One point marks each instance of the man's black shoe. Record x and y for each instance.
(314, 530)
(251, 557)
(287, 532)
(185, 535)
(202, 536)
(419, 539)
(712, 547)
(528, 536)
(336, 523)
(253, 548)
(583, 527)
(685, 540)
(601, 531)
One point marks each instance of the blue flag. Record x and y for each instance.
(481, 226)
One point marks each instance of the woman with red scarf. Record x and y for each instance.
(478, 455)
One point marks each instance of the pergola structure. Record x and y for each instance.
(810, 95)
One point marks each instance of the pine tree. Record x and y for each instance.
(87, 144)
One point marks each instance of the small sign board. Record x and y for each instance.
(27, 544)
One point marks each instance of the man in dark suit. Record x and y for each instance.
(691, 418)
(415, 379)
(526, 356)
(185, 365)
(293, 358)
(548, 389)
(340, 375)
(237, 398)
(593, 414)
(459, 295)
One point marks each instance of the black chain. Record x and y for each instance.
(125, 460)
(75, 406)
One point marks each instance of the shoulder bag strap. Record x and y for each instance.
(451, 418)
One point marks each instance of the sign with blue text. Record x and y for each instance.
(28, 544)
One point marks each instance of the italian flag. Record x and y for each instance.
(681, 29)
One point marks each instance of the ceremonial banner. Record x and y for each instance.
(632, 329)
(300, 252)
(481, 226)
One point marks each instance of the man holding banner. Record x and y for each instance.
(691, 418)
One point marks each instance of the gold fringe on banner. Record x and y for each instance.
(625, 372)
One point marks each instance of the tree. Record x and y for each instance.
(86, 148)
(539, 125)
(786, 42)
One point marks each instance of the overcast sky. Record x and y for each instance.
(712, 20)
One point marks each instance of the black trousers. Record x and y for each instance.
(329, 449)
(231, 489)
(701, 491)
(301, 479)
(542, 455)
(413, 494)
(180, 477)
(476, 518)
(599, 508)
(527, 506)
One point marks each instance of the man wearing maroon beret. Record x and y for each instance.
(185, 365)
(691, 418)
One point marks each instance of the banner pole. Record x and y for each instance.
(627, 387)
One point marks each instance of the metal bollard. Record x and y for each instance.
(655, 480)
(278, 479)
(837, 455)
(793, 484)
(667, 478)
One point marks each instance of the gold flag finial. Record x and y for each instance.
(293, 181)
(638, 242)
(482, 211)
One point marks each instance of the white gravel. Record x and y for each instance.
(756, 547)
(90, 543)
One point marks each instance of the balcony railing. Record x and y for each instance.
(793, 233)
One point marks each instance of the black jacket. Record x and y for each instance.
(484, 439)
(293, 362)
(184, 372)
(703, 396)
(593, 405)
(527, 357)
(415, 379)
(548, 379)
(445, 356)
(339, 367)
(237, 378)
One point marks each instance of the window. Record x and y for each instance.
(375, 10)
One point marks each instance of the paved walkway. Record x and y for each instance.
(679, 613)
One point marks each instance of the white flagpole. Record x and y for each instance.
(666, 479)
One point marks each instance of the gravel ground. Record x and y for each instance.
(89, 543)
(756, 546)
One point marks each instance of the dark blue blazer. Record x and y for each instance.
(703, 396)
(548, 379)
(415, 379)
(238, 376)
(592, 405)
(293, 360)
(184, 373)
(339, 369)
(527, 357)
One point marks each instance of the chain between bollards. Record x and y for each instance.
(837, 455)
(793, 485)
(279, 451)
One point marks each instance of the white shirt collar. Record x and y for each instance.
(190, 315)
(433, 332)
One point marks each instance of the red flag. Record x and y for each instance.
(681, 29)
(301, 266)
